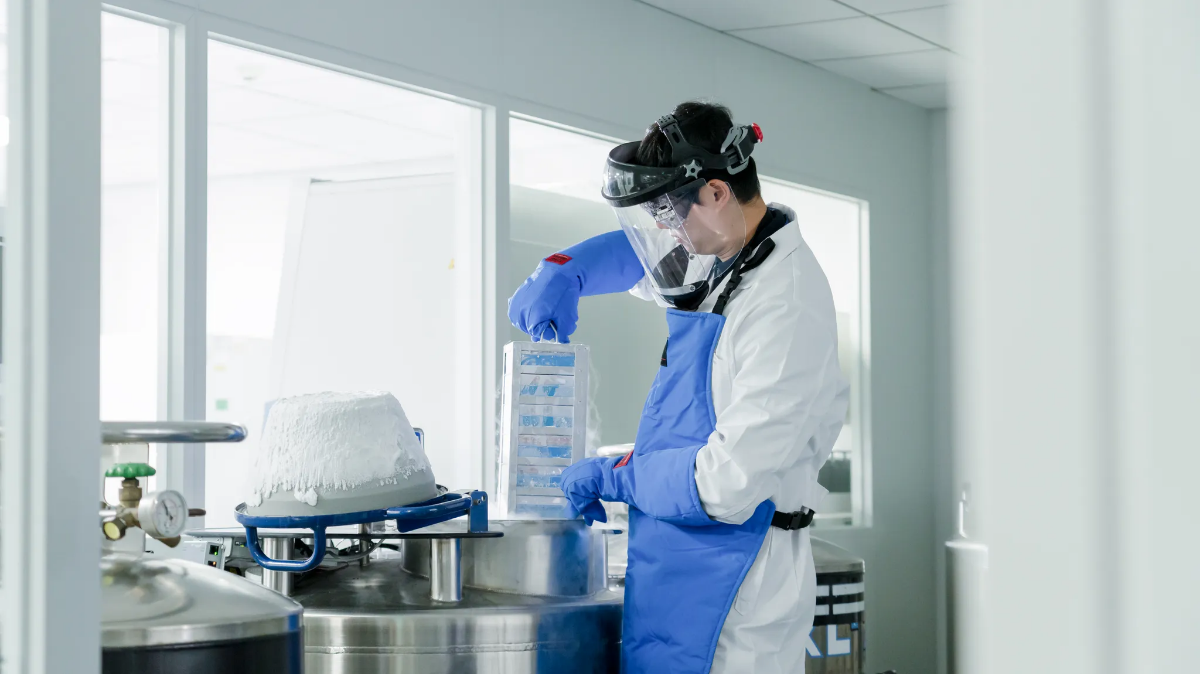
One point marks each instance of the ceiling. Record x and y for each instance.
(900, 47)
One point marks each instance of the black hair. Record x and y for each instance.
(706, 125)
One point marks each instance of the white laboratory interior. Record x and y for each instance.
(776, 336)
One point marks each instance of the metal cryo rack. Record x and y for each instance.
(543, 427)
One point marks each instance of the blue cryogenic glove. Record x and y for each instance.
(662, 484)
(546, 306)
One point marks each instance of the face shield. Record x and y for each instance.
(683, 236)
(684, 229)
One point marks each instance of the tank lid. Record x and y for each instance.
(830, 558)
(148, 602)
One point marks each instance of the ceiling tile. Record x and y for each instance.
(363, 138)
(845, 38)
(931, 96)
(431, 115)
(329, 89)
(229, 104)
(726, 15)
(931, 23)
(235, 151)
(894, 70)
(881, 6)
(228, 64)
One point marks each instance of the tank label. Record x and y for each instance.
(834, 646)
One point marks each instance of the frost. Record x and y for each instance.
(309, 497)
(334, 441)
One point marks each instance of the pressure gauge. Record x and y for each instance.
(163, 514)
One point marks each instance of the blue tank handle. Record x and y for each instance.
(292, 565)
(408, 518)
(474, 504)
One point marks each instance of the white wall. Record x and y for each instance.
(613, 67)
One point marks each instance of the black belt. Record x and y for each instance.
(791, 521)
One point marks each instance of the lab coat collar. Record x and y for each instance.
(787, 239)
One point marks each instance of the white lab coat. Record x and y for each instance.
(780, 401)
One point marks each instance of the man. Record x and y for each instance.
(748, 401)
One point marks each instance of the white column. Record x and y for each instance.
(51, 446)
(1078, 292)
(182, 307)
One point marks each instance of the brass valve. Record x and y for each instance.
(131, 493)
(114, 528)
(161, 514)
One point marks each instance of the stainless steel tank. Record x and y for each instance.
(535, 600)
(175, 616)
(161, 616)
(836, 644)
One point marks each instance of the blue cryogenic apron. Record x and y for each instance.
(682, 580)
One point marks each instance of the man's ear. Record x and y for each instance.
(721, 192)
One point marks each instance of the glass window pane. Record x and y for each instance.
(132, 175)
(132, 113)
(341, 215)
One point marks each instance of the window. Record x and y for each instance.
(343, 254)
(132, 176)
(835, 228)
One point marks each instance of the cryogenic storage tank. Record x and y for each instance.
(534, 600)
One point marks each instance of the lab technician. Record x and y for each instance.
(747, 403)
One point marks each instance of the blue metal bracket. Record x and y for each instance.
(445, 507)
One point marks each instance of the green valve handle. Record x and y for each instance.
(128, 470)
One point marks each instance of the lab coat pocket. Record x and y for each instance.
(748, 593)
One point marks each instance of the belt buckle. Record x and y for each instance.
(797, 521)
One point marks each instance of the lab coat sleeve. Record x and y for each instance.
(788, 399)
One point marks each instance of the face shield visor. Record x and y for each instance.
(685, 230)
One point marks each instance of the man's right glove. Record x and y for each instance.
(546, 306)
(661, 484)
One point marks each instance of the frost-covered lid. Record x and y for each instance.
(328, 446)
